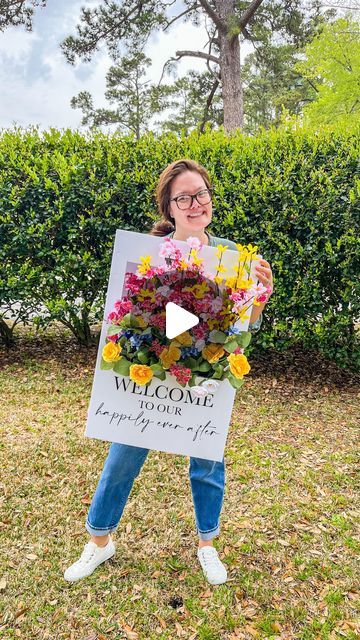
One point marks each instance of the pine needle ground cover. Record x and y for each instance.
(288, 528)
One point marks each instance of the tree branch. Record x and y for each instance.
(197, 54)
(208, 104)
(188, 10)
(249, 12)
(213, 15)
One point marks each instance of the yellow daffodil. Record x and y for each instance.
(231, 282)
(145, 264)
(198, 290)
(243, 284)
(145, 294)
(242, 315)
(220, 250)
(251, 248)
(197, 261)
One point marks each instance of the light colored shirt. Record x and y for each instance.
(214, 242)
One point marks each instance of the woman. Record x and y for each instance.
(184, 201)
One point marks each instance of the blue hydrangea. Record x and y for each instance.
(189, 351)
(232, 330)
(136, 340)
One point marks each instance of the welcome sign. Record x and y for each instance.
(163, 415)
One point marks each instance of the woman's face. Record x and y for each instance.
(196, 216)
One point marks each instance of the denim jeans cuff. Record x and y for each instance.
(94, 531)
(209, 535)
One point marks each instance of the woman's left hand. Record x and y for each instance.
(264, 273)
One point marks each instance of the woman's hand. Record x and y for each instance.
(264, 273)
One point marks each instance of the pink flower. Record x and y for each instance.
(167, 248)
(113, 338)
(113, 317)
(181, 373)
(238, 350)
(194, 243)
(122, 307)
(156, 347)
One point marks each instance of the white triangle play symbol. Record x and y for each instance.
(178, 320)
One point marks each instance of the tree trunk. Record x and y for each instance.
(6, 334)
(230, 71)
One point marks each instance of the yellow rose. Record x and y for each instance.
(239, 365)
(184, 339)
(169, 355)
(140, 373)
(111, 352)
(213, 352)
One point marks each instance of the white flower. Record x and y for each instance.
(164, 290)
(199, 344)
(210, 385)
(216, 304)
(199, 392)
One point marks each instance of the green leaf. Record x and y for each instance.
(160, 374)
(106, 365)
(218, 372)
(143, 356)
(219, 337)
(122, 366)
(204, 367)
(157, 369)
(243, 339)
(113, 330)
(231, 346)
(235, 382)
(190, 363)
(192, 381)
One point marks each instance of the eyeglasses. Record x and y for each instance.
(185, 201)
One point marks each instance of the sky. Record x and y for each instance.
(37, 83)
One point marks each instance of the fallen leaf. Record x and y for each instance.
(2, 584)
(31, 556)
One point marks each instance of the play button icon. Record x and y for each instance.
(178, 320)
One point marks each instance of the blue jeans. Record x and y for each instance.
(122, 466)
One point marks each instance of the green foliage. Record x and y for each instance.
(332, 65)
(134, 98)
(18, 12)
(293, 193)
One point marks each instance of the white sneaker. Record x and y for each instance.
(90, 558)
(213, 568)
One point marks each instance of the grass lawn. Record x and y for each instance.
(288, 528)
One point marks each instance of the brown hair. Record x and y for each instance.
(166, 225)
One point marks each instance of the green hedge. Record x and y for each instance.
(293, 193)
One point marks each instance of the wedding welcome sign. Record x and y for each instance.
(162, 414)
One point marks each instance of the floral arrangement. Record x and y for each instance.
(213, 350)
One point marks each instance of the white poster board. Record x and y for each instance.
(164, 416)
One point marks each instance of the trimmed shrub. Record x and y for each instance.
(295, 194)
